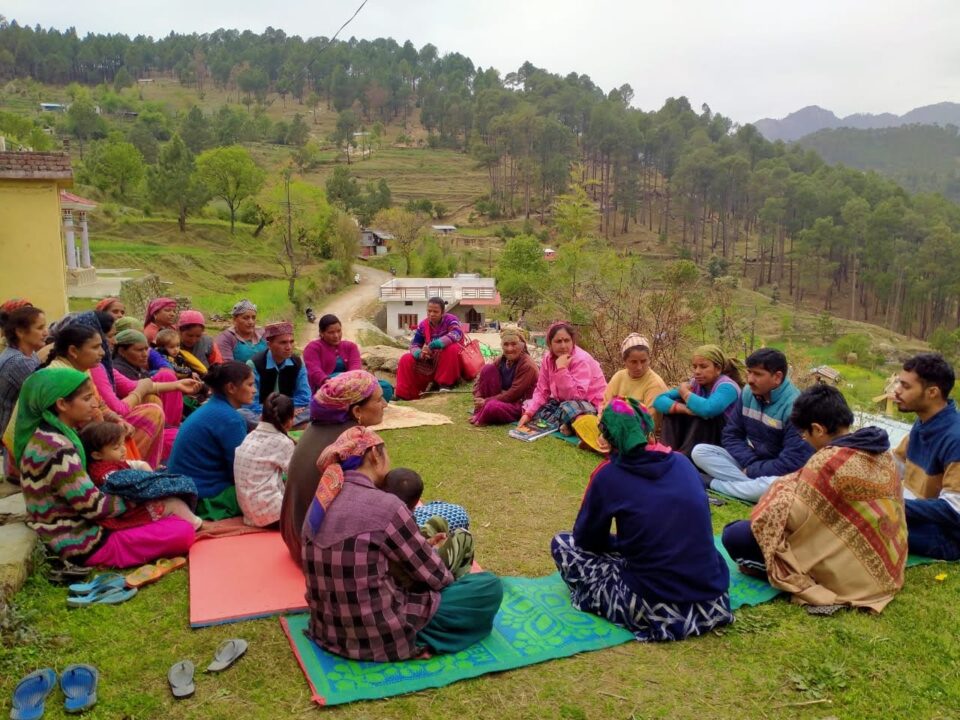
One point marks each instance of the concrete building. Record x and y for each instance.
(32, 257)
(374, 242)
(468, 296)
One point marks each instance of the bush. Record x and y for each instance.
(853, 343)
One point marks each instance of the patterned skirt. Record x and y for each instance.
(564, 413)
(596, 587)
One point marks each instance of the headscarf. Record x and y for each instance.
(345, 453)
(131, 337)
(105, 303)
(713, 353)
(156, 306)
(276, 329)
(128, 322)
(37, 396)
(633, 340)
(243, 306)
(332, 401)
(514, 332)
(89, 319)
(191, 317)
(626, 424)
(15, 304)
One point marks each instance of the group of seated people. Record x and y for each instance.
(387, 578)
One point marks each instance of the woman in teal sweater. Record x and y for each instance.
(696, 411)
(208, 439)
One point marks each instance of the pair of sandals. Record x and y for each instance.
(180, 675)
(77, 682)
(105, 589)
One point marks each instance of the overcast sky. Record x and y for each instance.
(746, 59)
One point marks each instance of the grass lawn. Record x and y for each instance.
(774, 662)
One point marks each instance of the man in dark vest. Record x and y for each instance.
(277, 369)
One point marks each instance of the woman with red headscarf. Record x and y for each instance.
(161, 313)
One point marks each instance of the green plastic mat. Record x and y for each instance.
(536, 623)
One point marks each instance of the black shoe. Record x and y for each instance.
(705, 479)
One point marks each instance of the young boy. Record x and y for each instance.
(455, 548)
(107, 462)
(167, 343)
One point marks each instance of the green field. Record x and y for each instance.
(774, 662)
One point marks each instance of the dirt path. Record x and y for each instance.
(349, 304)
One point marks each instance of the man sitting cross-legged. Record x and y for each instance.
(931, 454)
(759, 443)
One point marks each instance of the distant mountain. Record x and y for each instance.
(921, 158)
(813, 118)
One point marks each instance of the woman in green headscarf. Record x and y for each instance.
(697, 410)
(660, 576)
(63, 505)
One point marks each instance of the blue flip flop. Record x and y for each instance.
(104, 580)
(31, 694)
(79, 686)
(105, 595)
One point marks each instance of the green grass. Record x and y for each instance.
(904, 663)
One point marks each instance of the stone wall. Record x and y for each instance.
(138, 292)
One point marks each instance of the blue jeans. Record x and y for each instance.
(742, 546)
(727, 476)
(933, 528)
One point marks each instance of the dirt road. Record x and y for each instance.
(348, 305)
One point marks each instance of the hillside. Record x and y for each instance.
(921, 158)
(813, 118)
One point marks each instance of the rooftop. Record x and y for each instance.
(468, 289)
(35, 166)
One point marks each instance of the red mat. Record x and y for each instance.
(241, 578)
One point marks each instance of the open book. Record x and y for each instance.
(533, 430)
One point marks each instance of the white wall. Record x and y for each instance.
(395, 309)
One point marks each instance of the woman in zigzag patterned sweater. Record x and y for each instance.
(64, 507)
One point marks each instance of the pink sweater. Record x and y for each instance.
(321, 358)
(582, 379)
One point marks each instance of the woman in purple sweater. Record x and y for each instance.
(330, 355)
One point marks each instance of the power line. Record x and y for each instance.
(345, 24)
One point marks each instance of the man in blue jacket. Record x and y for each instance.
(759, 442)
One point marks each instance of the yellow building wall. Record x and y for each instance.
(32, 264)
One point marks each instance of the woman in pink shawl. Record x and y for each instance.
(571, 382)
(161, 313)
(330, 355)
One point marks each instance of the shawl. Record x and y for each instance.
(191, 317)
(144, 485)
(515, 332)
(626, 424)
(345, 453)
(713, 353)
(854, 536)
(15, 304)
(156, 306)
(39, 393)
(335, 397)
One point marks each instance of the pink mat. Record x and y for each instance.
(243, 577)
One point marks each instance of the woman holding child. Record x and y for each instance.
(503, 386)
(696, 411)
(571, 382)
(64, 507)
(356, 540)
(194, 340)
(660, 575)
(434, 353)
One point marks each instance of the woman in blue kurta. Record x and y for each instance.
(208, 439)
(660, 575)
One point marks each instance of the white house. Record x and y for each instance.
(468, 296)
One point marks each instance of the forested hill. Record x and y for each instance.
(921, 158)
(812, 119)
(854, 242)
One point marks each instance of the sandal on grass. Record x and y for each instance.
(100, 581)
(150, 573)
(105, 595)
(227, 654)
(79, 686)
(180, 677)
(31, 693)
